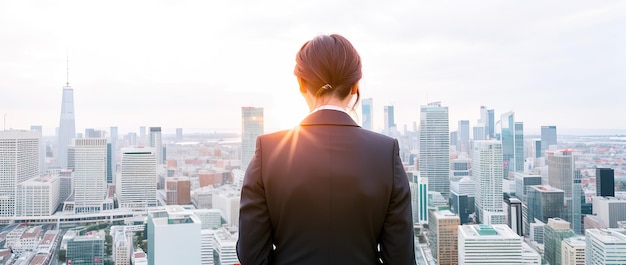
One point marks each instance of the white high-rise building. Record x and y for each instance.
(90, 171)
(206, 248)
(19, 161)
(173, 222)
(137, 181)
(225, 246)
(605, 246)
(156, 142)
(38, 196)
(228, 203)
(251, 128)
(489, 244)
(434, 157)
(573, 250)
(487, 174)
(610, 210)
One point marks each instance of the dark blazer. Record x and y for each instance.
(326, 192)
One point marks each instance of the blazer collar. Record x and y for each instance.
(328, 117)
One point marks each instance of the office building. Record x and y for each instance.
(489, 244)
(419, 197)
(173, 222)
(138, 177)
(536, 231)
(367, 117)
(434, 160)
(85, 250)
(554, 232)
(179, 134)
(389, 121)
(605, 182)
(487, 174)
(227, 201)
(610, 210)
(207, 237)
(523, 183)
(463, 144)
(544, 202)
(519, 146)
(251, 127)
(90, 187)
(66, 184)
(478, 133)
(112, 159)
(42, 149)
(576, 206)
(38, 196)
(143, 138)
(178, 191)
(460, 167)
(210, 218)
(507, 136)
(462, 199)
(122, 241)
(548, 138)
(156, 142)
(443, 240)
(67, 126)
(514, 216)
(573, 250)
(561, 170)
(19, 160)
(605, 246)
(225, 247)
(487, 120)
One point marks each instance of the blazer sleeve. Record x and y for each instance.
(254, 244)
(397, 243)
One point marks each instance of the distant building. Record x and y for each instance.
(173, 222)
(487, 174)
(66, 184)
(156, 142)
(178, 191)
(38, 196)
(112, 158)
(85, 250)
(179, 134)
(605, 182)
(462, 196)
(137, 184)
(443, 239)
(90, 187)
(554, 232)
(210, 218)
(573, 250)
(367, 118)
(514, 217)
(463, 144)
(227, 201)
(434, 159)
(19, 157)
(605, 246)
(67, 126)
(548, 138)
(544, 202)
(459, 168)
(610, 210)
(489, 244)
(419, 197)
(389, 120)
(252, 123)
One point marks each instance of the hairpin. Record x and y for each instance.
(327, 86)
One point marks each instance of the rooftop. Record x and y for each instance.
(608, 236)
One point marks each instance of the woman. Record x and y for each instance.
(328, 191)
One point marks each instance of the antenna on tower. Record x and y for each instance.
(67, 64)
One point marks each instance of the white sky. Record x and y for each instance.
(194, 64)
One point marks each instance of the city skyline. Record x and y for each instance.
(194, 65)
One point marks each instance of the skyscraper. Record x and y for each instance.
(113, 158)
(507, 136)
(443, 230)
(434, 160)
(251, 128)
(487, 174)
(544, 202)
(67, 126)
(548, 138)
(390, 123)
(367, 108)
(554, 232)
(137, 185)
(90, 187)
(156, 142)
(464, 136)
(42, 149)
(519, 147)
(19, 161)
(605, 182)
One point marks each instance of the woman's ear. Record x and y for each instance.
(354, 88)
(302, 85)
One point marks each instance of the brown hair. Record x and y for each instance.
(330, 66)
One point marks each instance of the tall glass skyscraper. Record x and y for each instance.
(157, 143)
(390, 123)
(512, 136)
(251, 128)
(548, 137)
(464, 136)
(367, 108)
(67, 126)
(434, 158)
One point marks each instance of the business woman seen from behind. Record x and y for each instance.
(327, 191)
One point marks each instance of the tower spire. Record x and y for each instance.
(67, 64)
